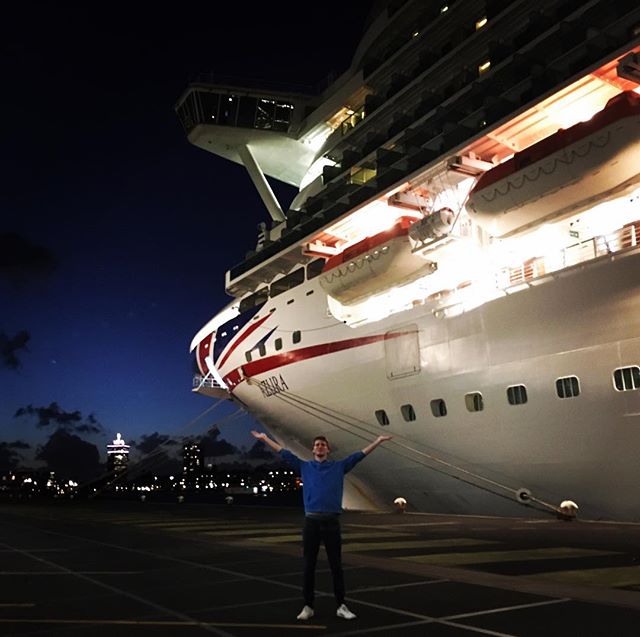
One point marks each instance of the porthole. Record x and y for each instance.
(278, 343)
(568, 387)
(296, 336)
(438, 407)
(381, 417)
(517, 395)
(408, 412)
(262, 350)
(474, 401)
(627, 378)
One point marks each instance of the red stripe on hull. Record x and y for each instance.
(270, 363)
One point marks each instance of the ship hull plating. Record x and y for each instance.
(584, 324)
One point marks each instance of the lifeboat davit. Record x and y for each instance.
(374, 264)
(563, 174)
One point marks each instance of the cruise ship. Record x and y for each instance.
(460, 268)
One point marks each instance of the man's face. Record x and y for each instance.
(320, 450)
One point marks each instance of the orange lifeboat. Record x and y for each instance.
(374, 264)
(564, 173)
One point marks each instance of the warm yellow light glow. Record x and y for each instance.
(415, 34)
(484, 67)
(444, 9)
(480, 23)
(369, 220)
(580, 104)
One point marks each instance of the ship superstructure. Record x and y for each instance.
(460, 267)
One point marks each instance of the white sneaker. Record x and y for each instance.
(307, 613)
(344, 613)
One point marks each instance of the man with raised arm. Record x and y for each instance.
(323, 481)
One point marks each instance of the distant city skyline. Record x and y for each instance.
(116, 232)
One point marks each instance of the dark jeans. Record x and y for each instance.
(326, 531)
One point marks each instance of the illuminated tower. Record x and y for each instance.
(117, 455)
(192, 462)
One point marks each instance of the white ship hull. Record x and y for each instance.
(584, 450)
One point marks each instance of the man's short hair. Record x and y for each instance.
(324, 439)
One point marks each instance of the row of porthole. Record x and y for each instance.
(624, 379)
(296, 337)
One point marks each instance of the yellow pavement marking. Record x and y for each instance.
(461, 559)
(134, 622)
(609, 577)
(172, 524)
(415, 544)
(19, 550)
(253, 532)
(401, 525)
(30, 573)
(345, 537)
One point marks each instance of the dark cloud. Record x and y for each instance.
(9, 346)
(150, 442)
(70, 456)
(212, 445)
(17, 444)
(259, 451)
(9, 457)
(68, 420)
(20, 259)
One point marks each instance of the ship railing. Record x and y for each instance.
(205, 381)
(621, 239)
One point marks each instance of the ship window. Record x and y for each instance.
(627, 378)
(187, 113)
(438, 407)
(228, 110)
(246, 111)
(287, 282)
(273, 115)
(278, 343)
(264, 113)
(255, 299)
(314, 268)
(296, 337)
(262, 350)
(474, 401)
(568, 387)
(381, 417)
(408, 412)
(283, 116)
(517, 395)
(209, 103)
(248, 356)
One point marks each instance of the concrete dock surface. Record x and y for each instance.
(146, 568)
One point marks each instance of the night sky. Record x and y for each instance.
(115, 232)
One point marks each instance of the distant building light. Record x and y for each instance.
(444, 8)
(415, 34)
(480, 23)
(484, 66)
